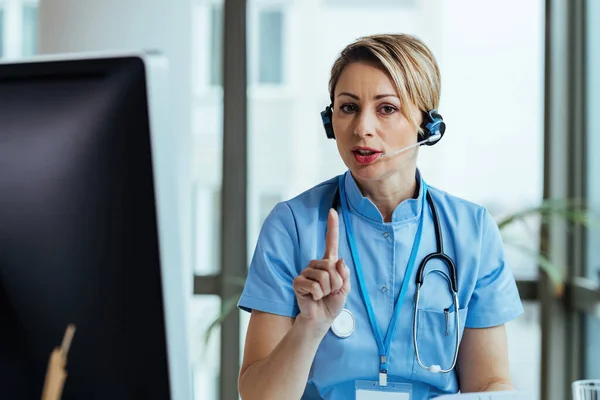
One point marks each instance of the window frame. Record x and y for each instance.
(204, 87)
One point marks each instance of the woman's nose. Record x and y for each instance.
(366, 123)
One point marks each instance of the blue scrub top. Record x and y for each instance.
(294, 234)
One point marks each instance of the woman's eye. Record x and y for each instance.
(348, 108)
(387, 110)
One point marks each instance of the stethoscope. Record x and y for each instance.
(345, 323)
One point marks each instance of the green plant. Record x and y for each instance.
(572, 212)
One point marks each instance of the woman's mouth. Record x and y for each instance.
(365, 156)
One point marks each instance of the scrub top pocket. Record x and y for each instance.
(436, 341)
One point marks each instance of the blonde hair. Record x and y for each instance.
(407, 60)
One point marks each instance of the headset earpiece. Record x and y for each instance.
(433, 127)
(326, 116)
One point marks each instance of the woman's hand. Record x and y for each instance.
(321, 289)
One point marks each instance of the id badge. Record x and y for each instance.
(371, 390)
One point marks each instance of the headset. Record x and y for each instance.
(433, 125)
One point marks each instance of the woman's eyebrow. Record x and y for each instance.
(377, 97)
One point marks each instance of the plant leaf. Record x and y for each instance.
(554, 270)
(570, 210)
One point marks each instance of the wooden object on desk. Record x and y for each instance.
(56, 373)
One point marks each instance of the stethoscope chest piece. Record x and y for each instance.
(343, 325)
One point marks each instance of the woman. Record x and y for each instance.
(332, 285)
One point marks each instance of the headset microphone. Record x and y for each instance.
(433, 138)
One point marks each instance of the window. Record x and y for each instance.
(206, 156)
(524, 351)
(592, 366)
(205, 354)
(269, 28)
(1, 33)
(216, 45)
(207, 228)
(270, 58)
(30, 30)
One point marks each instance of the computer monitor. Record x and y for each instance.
(88, 229)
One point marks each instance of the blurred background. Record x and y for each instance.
(520, 86)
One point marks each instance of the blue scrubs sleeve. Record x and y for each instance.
(268, 287)
(495, 299)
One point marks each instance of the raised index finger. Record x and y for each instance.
(332, 237)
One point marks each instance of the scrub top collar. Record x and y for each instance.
(406, 211)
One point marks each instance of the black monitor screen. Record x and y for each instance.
(78, 234)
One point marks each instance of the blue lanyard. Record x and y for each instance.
(383, 346)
